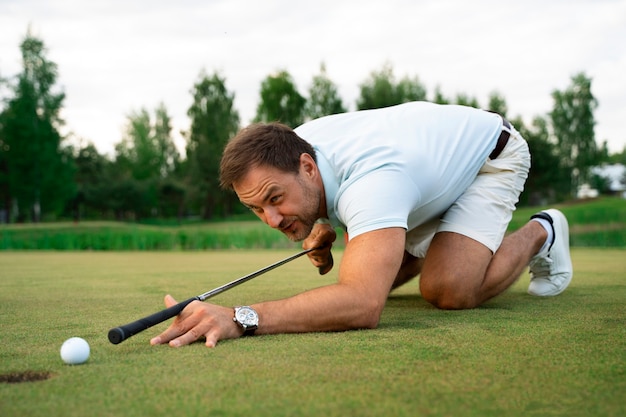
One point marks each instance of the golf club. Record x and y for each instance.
(119, 334)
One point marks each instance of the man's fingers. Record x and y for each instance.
(327, 266)
(321, 237)
(209, 329)
(169, 301)
(212, 337)
(198, 320)
(191, 336)
(178, 327)
(322, 259)
(175, 330)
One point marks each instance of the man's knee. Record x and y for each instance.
(447, 293)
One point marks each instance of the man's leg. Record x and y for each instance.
(410, 268)
(470, 260)
(416, 245)
(460, 272)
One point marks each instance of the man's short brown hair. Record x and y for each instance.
(262, 144)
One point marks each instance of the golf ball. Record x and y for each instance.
(75, 351)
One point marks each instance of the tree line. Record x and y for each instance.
(42, 177)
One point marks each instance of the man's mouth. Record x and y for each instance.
(287, 229)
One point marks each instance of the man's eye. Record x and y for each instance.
(275, 199)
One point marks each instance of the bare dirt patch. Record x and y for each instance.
(26, 376)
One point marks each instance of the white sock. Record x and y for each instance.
(546, 225)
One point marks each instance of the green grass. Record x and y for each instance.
(118, 236)
(515, 356)
(600, 222)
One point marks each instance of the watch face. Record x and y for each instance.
(247, 316)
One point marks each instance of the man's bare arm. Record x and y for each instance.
(368, 269)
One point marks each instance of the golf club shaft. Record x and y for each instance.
(119, 334)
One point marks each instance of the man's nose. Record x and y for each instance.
(273, 218)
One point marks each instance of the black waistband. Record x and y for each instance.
(502, 139)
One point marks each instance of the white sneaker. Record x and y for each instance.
(552, 271)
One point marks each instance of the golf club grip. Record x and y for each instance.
(119, 334)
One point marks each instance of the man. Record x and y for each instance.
(420, 188)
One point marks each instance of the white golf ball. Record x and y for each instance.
(75, 351)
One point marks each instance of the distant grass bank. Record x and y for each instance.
(595, 223)
(118, 236)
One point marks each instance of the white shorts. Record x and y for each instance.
(484, 210)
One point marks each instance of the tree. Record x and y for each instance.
(617, 158)
(381, 90)
(213, 122)
(463, 99)
(280, 101)
(135, 154)
(90, 178)
(546, 178)
(145, 158)
(600, 183)
(497, 103)
(5, 191)
(167, 155)
(147, 146)
(573, 125)
(438, 97)
(323, 97)
(37, 171)
(410, 89)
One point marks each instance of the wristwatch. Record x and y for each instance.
(247, 318)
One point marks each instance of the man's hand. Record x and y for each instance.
(198, 320)
(322, 237)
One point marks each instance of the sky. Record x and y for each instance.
(116, 57)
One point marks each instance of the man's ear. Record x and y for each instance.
(308, 166)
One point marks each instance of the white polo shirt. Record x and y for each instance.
(399, 166)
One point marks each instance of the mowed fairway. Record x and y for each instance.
(515, 356)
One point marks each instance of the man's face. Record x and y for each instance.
(284, 201)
